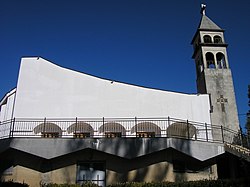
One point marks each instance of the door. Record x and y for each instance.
(91, 172)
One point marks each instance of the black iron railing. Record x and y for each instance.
(120, 127)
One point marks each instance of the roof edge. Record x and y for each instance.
(4, 98)
(112, 80)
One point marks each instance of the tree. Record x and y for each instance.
(248, 113)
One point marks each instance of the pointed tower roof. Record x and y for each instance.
(207, 24)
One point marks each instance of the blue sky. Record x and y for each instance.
(142, 42)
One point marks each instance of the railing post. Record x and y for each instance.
(103, 128)
(135, 126)
(12, 127)
(241, 137)
(222, 135)
(188, 130)
(44, 123)
(168, 126)
(206, 132)
(248, 143)
(76, 126)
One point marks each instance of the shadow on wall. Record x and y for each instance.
(179, 163)
(147, 162)
(151, 173)
(148, 165)
(6, 169)
(145, 167)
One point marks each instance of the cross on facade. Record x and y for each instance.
(222, 101)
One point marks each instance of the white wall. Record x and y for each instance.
(47, 90)
(6, 106)
(6, 111)
(2, 112)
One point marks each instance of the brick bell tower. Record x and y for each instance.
(213, 74)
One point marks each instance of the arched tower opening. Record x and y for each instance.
(210, 60)
(221, 62)
(207, 39)
(217, 39)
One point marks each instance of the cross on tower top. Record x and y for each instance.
(203, 8)
(222, 101)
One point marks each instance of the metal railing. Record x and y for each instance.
(121, 127)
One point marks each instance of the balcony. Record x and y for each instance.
(117, 128)
(123, 137)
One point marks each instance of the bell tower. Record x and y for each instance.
(213, 74)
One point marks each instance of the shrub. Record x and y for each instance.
(85, 184)
(13, 184)
(202, 183)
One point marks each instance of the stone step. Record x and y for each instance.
(238, 151)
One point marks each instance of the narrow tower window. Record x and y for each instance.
(207, 39)
(217, 39)
(210, 60)
(220, 58)
(199, 67)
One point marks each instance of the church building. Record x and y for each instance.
(64, 126)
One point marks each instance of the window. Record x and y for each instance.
(81, 129)
(50, 135)
(113, 134)
(145, 134)
(48, 130)
(221, 60)
(210, 60)
(207, 39)
(199, 67)
(81, 135)
(94, 172)
(146, 129)
(112, 130)
(217, 39)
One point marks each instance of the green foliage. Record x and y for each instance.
(13, 184)
(85, 184)
(248, 114)
(202, 183)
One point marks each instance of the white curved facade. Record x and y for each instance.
(47, 90)
(7, 106)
